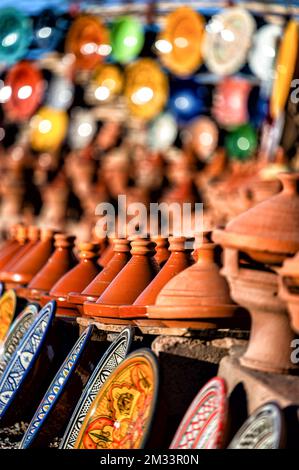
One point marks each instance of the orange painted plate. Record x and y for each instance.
(121, 414)
(284, 69)
(179, 45)
(8, 304)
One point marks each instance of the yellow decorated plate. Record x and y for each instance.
(146, 88)
(107, 82)
(48, 129)
(121, 415)
(284, 69)
(179, 44)
(8, 303)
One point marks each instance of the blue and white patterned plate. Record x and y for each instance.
(16, 333)
(114, 355)
(25, 357)
(55, 389)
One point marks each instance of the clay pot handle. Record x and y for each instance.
(290, 182)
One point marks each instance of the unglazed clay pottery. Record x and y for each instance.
(106, 255)
(16, 333)
(264, 429)
(289, 288)
(32, 262)
(61, 261)
(10, 307)
(114, 355)
(179, 260)
(162, 251)
(198, 294)
(256, 243)
(9, 249)
(121, 250)
(54, 411)
(22, 362)
(204, 424)
(76, 279)
(128, 398)
(12, 252)
(129, 283)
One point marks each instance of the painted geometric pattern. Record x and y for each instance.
(17, 331)
(54, 390)
(111, 359)
(203, 424)
(23, 358)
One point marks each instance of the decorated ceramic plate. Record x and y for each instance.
(262, 55)
(61, 93)
(8, 305)
(15, 35)
(179, 45)
(162, 132)
(88, 40)
(146, 88)
(204, 137)
(48, 129)
(227, 40)
(264, 429)
(127, 39)
(120, 416)
(111, 359)
(27, 87)
(16, 333)
(82, 128)
(284, 69)
(57, 387)
(106, 83)
(24, 357)
(204, 424)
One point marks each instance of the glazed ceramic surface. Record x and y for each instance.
(121, 414)
(265, 429)
(127, 38)
(24, 357)
(55, 389)
(48, 129)
(262, 55)
(8, 304)
(16, 333)
(14, 24)
(162, 132)
(204, 423)
(111, 359)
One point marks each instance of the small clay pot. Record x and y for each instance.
(10, 247)
(289, 289)
(162, 251)
(129, 283)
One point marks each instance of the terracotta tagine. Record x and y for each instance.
(31, 263)
(75, 280)
(198, 296)
(162, 251)
(121, 250)
(256, 244)
(180, 259)
(10, 247)
(107, 254)
(13, 249)
(129, 283)
(61, 261)
(289, 289)
(12, 266)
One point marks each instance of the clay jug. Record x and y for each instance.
(180, 259)
(129, 283)
(61, 261)
(162, 252)
(121, 249)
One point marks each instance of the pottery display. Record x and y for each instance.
(128, 397)
(288, 288)
(62, 395)
(264, 429)
(129, 283)
(204, 424)
(24, 359)
(114, 355)
(16, 333)
(256, 244)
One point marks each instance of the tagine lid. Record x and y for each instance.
(271, 227)
(199, 291)
(290, 267)
(264, 429)
(204, 424)
(122, 412)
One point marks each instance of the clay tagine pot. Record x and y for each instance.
(129, 283)
(289, 289)
(162, 251)
(75, 280)
(10, 246)
(61, 261)
(34, 260)
(121, 249)
(256, 243)
(107, 254)
(7, 275)
(198, 297)
(180, 259)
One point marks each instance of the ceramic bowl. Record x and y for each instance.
(204, 424)
(48, 129)
(15, 35)
(60, 94)
(53, 412)
(262, 55)
(107, 364)
(82, 128)
(162, 132)
(264, 429)
(121, 414)
(16, 333)
(23, 361)
(106, 83)
(127, 39)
